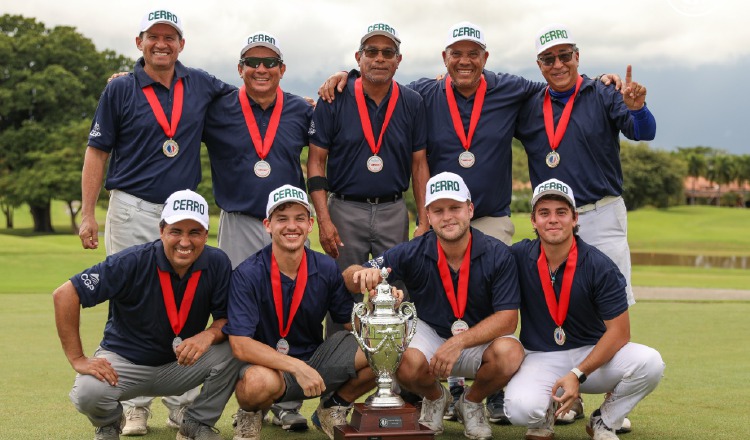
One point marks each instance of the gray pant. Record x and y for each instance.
(367, 230)
(217, 370)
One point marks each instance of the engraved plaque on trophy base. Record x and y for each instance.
(383, 423)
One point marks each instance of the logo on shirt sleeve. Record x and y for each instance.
(311, 130)
(90, 280)
(376, 263)
(95, 131)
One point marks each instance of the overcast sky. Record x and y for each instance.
(691, 54)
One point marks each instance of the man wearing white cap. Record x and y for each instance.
(575, 326)
(364, 149)
(278, 300)
(162, 295)
(465, 288)
(151, 152)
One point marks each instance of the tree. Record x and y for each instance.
(651, 177)
(49, 79)
(696, 167)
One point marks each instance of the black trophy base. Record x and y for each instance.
(383, 423)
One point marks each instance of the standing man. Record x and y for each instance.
(576, 327)
(571, 132)
(278, 300)
(364, 147)
(464, 285)
(150, 123)
(160, 294)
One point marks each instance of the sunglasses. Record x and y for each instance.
(549, 60)
(372, 52)
(254, 62)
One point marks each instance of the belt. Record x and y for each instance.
(604, 201)
(370, 200)
(135, 201)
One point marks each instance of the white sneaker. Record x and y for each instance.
(625, 428)
(473, 417)
(136, 418)
(432, 412)
(598, 430)
(174, 418)
(247, 424)
(288, 419)
(574, 413)
(547, 430)
(325, 419)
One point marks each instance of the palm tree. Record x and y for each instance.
(697, 167)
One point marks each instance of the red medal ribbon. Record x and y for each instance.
(177, 321)
(476, 111)
(161, 117)
(299, 292)
(555, 136)
(364, 116)
(262, 146)
(558, 311)
(457, 302)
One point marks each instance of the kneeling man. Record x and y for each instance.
(575, 327)
(465, 288)
(160, 294)
(278, 301)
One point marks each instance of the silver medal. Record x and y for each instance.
(170, 148)
(375, 164)
(282, 346)
(176, 343)
(262, 168)
(559, 336)
(466, 159)
(459, 326)
(553, 159)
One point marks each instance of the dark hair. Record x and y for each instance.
(284, 206)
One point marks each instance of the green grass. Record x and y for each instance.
(702, 395)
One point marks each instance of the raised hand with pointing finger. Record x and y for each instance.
(633, 94)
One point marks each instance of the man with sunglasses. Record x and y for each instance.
(150, 122)
(254, 137)
(364, 148)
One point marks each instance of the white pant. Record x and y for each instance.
(606, 228)
(630, 376)
(130, 221)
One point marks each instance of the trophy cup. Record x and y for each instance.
(383, 334)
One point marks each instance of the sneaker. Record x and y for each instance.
(174, 419)
(111, 431)
(247, 424)
(547, 430)
(456, 391)
(191, 429)
(597, 430)
(432, 411)
(495, 408)
(473, 417)
(288, 419)
(136, 418)
(325, 419)
(625, 428)
(574, 413)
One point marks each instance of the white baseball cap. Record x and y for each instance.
(285, 194)
(553, 186)
(185, 205)
(552, 36)
(262, 39)
(465, 31)
(446, 186)
(161, 16)
(380, 28)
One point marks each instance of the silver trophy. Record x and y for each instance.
(384, 333)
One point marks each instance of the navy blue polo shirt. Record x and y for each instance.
(125, 126)
(252, 311)
(590, 150)
(233, 154)
(493, 284)
(336, 127)
(490, 179)
(138, 328)
(597, 295)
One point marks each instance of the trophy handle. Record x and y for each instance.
(407, 309)
(359, 311)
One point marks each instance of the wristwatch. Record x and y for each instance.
(580, 374)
